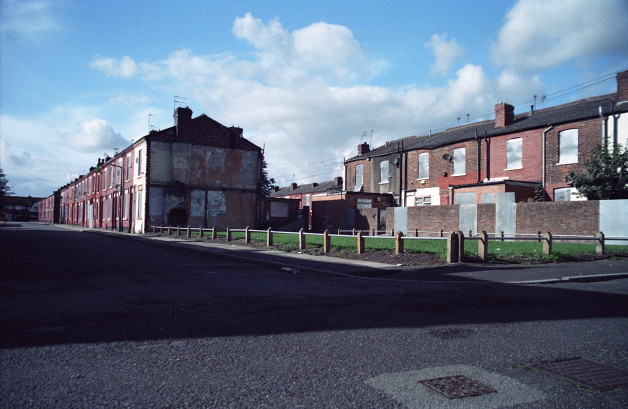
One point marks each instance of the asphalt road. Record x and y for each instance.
(92, 321)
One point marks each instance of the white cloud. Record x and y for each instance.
(124, 67)
(94, 136)
(445, 52)
(541, 34)
(29, 18)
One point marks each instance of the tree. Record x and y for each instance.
(5, 189)
(606, 175)
(266, 185)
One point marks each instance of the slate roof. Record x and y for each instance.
(323, 187)
(571, 112)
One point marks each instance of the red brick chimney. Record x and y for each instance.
(622, 86)
(181, 117)
(504, 114)
(338, 180)
(293, 186)
(363, 148)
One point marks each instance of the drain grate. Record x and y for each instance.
(457, 386)
(586, 373)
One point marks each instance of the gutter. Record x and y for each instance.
(543, 155)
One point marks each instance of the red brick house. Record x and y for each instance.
(529, 154)
(197, 172)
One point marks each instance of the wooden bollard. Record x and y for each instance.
(399, 243)
(392, 232)
(360, 243)
(213, 232)
(247, 235)
(501, 234)
(547, 244)
(178, 231)
(228, 234)
(187, 233)
(301, 240)
(452, 247)
(161, 229)
(153, 229)
(460, 246)
(442, 233)
(269, 238)
(483, 246)
(326, 242)
(339, 232)
(599, 245)
(353, 232)
(168, 230)
(539, 235)
(200, 230)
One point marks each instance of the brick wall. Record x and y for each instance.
(532, 154)
(367, 219)
(582, 217)
(366, 172)
(559, 217)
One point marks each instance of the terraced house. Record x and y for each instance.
(528, 154)
(198, 173)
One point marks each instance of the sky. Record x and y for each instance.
(307, 80)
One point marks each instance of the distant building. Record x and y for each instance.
(197, 173)
(20, 208)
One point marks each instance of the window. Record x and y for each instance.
(111, 176)
(459, 161)
(424, 166)
(383, 168)
(139, 162)
(139, 204)
(568, 146)
(514, 157)
(128, 167)
(358, 177)
(126, 204)
(363, 203)
(110, 208)
(307, 199)
(562, 195)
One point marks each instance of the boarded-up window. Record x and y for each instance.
(383, 167)
(424, 165)
(514, 153)
(568, 146)
(358, 177)
(279, 209)
(562, 195)
(460, 161)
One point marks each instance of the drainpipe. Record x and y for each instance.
(477, 140)
(487, 175)
(543, 156)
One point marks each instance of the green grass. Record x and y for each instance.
(532, 250)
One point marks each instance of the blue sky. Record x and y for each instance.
(304, 79)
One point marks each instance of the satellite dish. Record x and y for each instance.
(447, 156)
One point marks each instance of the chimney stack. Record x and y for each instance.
(338, 180)
(504, 114)
(293, 186)
(622, 86)
(363, 148)
(181, 117)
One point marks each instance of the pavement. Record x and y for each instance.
(299, 263)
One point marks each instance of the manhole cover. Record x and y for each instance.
(457, 386)
(586, 373)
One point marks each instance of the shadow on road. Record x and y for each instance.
(62, 286)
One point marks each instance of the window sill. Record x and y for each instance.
(427, 178)
(459, 174)
(383, 183)
(566, 163)
(513, 168)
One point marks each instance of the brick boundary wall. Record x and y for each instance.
(574, 218)
(579, 218)
(367, 219)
